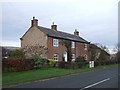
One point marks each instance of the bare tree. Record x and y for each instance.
(35, 50)
(103, 47)
(117, 51)
(94, 52)
(98, 52)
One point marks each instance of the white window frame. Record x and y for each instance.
(72, 44)
(73, 57)
(85, 57)
(56, 57)
(85, 46)
(55, 42)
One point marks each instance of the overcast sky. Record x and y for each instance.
(96, 20)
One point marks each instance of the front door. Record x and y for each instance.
(65, 56)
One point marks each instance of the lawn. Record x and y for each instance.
(9, 78)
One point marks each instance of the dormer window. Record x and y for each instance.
(55, 42)
(85, 46)
(73, 44)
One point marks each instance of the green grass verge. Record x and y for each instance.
(9, 78)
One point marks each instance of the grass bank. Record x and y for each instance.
(9, 78)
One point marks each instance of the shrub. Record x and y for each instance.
(79, 59)
(52, 62)
(105, 62)
(102, 62)
(29, 64)
(18, 53)
(5, 66)
(116, 61)
(61, 64)
(81, 64)
(38, 63)
(16, 64)
(71, 65)
(45, 62)
(68, 65)
(96, 63)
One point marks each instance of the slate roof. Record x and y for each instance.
(62, 35)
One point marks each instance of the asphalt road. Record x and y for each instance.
(103, 78)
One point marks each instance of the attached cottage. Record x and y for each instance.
(52, 38)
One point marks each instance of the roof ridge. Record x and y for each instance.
(61, 34)
(59, 31)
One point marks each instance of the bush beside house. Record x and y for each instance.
(12, 64)
(18, 62)
(52, 63)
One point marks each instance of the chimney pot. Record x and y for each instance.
(54, 27)
(76, 32)
(34, 22)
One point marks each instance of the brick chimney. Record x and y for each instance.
(34, 22)
(76, 32)
(54, 27)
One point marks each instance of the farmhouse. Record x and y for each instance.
(52, 39)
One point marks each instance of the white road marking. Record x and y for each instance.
(95, 83)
